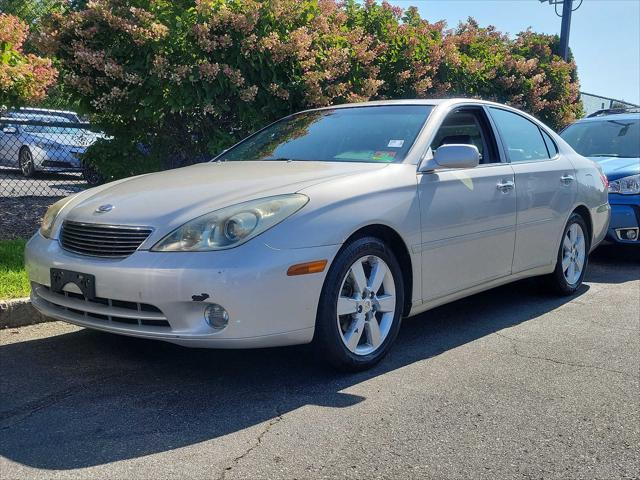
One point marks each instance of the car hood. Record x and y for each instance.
(616, 167)
(168, 199)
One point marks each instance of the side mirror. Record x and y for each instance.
(452, 156)
(11, 130)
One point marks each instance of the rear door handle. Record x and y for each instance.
(566, 179)
(505, 186)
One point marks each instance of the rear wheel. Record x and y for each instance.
(25, 160)
(572, 259)
(360, 308)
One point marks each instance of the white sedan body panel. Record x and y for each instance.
(461, 230)
(463, 213)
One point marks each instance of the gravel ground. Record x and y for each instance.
(510, 383)
(20, 216)
(23, 201)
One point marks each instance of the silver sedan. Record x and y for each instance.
(328, 226)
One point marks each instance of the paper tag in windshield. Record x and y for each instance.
(395, 143)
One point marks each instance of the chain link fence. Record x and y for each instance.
(40, 162)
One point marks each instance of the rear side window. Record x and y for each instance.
(521, 137)
(551, 145)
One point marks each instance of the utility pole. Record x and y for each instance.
(567, 10)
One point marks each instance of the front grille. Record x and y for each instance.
(101, 240)
(102, 310)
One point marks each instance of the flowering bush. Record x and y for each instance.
(186, 78)
(23, 77)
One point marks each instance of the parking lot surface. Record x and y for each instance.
(14, 184)
(511, 383)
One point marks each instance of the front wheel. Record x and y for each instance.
(25, 159)
(360, 308)
(572, 258)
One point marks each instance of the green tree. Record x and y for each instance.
(186, 78)
(24, 78)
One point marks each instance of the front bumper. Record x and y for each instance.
(149, 294)
(56, 159)
(625, 215)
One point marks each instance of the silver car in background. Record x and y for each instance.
(328, 226)
(29, 143)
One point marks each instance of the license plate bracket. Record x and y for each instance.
(84, 281)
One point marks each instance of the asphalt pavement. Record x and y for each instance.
(43, 184)
(510, 383)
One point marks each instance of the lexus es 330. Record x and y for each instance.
(328, 226)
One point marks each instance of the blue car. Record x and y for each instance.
(612, 138)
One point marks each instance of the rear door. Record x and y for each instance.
(545, 185)
(468, 216)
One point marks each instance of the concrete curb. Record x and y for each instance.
(19, 312)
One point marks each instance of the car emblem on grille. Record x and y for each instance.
(104, 208)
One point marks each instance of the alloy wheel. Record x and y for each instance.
(366, 305)
(26, 162)
(573, 254)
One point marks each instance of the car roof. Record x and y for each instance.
(417, 101)
(613, 116)
(37, 117)
(45, 110)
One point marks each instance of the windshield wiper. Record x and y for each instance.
(603, 155)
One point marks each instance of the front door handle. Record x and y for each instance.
(505, 186)
(566, 179)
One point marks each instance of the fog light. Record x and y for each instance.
(216, 316)
(627, 233)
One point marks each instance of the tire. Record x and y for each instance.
(351, 341)
(573, 257)
(25, 162)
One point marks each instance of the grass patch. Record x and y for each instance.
(13, 277)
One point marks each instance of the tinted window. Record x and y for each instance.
(551, 145)
(359, 134)
(605, 138)
(468, 126)
(521, 137)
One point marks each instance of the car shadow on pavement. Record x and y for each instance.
(88, 398)
(614, 264)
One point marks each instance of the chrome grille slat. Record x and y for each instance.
(101, 240)
(107, 234)
(103, 237)
(106, 245)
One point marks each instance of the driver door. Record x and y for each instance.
(468, 216)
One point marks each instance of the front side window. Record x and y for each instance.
(468, 126)
(521, 137)
(605, 138)
(357, 134)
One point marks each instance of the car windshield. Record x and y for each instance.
(606, 138)
(45, 128)
(358, 134)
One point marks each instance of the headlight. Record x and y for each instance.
(50, 216)
(231, 226)
(626, 186)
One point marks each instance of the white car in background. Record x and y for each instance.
(327, 226)
(35, 141)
